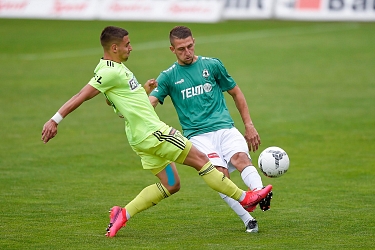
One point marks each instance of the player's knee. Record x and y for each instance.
(240, 160)
(174, 188)
(173, 179)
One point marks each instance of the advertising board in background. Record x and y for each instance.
(248, 9)
(326, 10)
(132, 10)
(46, 9)
(207, 11)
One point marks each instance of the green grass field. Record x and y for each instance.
(310, 88)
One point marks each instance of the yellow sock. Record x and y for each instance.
(148, 197)
(219, 182)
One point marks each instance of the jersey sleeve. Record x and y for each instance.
(104, 80)
(161, 91)
(224, 80)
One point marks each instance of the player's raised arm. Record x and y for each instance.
(251, 134)
(50, 127)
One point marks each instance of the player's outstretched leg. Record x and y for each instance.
(117, 220)
(252, 198)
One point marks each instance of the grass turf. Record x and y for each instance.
(310, 88)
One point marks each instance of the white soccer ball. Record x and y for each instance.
(273, 162)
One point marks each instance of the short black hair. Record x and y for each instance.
(112, 34)
(179, 32)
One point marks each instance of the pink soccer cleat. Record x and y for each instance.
(252, 198)
(117, 220)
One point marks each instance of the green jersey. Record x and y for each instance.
(196, 91)
(127, 97)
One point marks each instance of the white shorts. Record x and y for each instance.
(221, 145)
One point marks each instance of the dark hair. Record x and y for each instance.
(179, 32)
(112, 34)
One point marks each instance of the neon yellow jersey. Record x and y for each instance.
(128, 98)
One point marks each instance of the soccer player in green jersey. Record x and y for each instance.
(156, 143)
(196, 85)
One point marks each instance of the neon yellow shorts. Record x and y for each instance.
(161, 148)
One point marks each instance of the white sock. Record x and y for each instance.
(251, 178)
(127, 215)
(237, 208)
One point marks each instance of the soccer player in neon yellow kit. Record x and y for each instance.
(196, 85)
(156, 143)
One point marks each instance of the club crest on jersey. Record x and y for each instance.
(205, 73)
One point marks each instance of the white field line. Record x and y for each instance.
(229, 37)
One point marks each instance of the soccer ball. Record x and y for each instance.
(273, 162)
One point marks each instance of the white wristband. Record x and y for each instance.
(57, 117)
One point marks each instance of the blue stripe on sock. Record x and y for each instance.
(170, 175)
